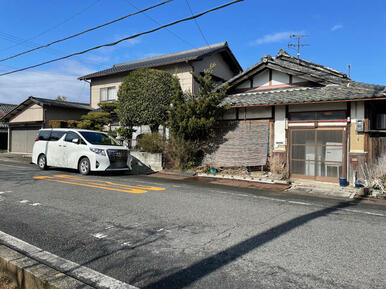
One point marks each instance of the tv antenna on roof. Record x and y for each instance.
(298, 44)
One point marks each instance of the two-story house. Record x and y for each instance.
(104, 84)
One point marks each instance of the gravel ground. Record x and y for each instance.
(5, 283)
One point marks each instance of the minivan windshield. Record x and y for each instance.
(97, 138)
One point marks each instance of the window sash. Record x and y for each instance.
(103, 94)
(111, 93)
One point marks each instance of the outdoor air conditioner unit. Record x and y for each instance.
(380, 121)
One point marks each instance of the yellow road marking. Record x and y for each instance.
(106, 185)
(110, 183)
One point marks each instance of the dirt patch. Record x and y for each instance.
(5, 283)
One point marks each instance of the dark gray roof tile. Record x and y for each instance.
(332, 92)
(188, 55)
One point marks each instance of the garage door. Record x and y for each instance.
(22, 139)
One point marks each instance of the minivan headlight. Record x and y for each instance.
(98, 151)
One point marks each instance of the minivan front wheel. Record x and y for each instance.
(84, 166)
(42, 162)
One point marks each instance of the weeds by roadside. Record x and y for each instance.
(5, 283)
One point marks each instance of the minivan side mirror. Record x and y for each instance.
(75, 140)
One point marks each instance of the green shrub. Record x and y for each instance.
(151, 142)
(182, 153)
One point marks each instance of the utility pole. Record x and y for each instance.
(298, 45)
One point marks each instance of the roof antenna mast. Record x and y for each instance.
(298, 45)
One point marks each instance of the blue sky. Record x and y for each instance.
(340, 33)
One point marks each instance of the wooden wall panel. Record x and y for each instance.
(239, 143)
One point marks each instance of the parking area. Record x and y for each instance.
(166, 233)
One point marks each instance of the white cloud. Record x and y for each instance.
(336, 27)
(126, 43)
(151, 54)
(274, 37)
(50, 83)
(96, 59)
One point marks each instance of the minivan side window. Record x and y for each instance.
(44, 135)
(70, 136)
(56, 135)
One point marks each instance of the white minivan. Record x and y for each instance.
(84, 150)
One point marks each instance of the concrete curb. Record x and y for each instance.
(16, 158)
(30, 267)
(27, 273)
(174, 172)
(248, 179)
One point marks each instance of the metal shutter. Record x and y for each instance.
(22, 139)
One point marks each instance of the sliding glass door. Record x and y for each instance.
(316, 153)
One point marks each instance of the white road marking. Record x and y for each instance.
(300, 203)
(270, 199)
(297, 203)
(99, 235)
(5, 192)
(24, 201)
(364, 212)
(35, 204)
(84, 274)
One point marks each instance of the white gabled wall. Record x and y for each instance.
(279, 78)
(261, 79)
(245, 84)
(280, 128)
(33, 113)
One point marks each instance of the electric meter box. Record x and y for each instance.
(359, 126)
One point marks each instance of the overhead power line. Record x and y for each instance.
(156, 22)
(126, 38)
(85, 31)
(198, 25)
(55, 26)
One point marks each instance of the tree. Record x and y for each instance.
(99, 120)
(95, 120)
(61, 98)
(193, 117)
(144, 97)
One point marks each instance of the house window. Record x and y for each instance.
(318, 115)
(108, 93)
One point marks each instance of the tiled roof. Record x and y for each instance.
(46, 102)
(297, 67)
(60, 103)
(332, 92)
(4, 109)
(188, 55)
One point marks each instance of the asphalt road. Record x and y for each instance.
(158, 233)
